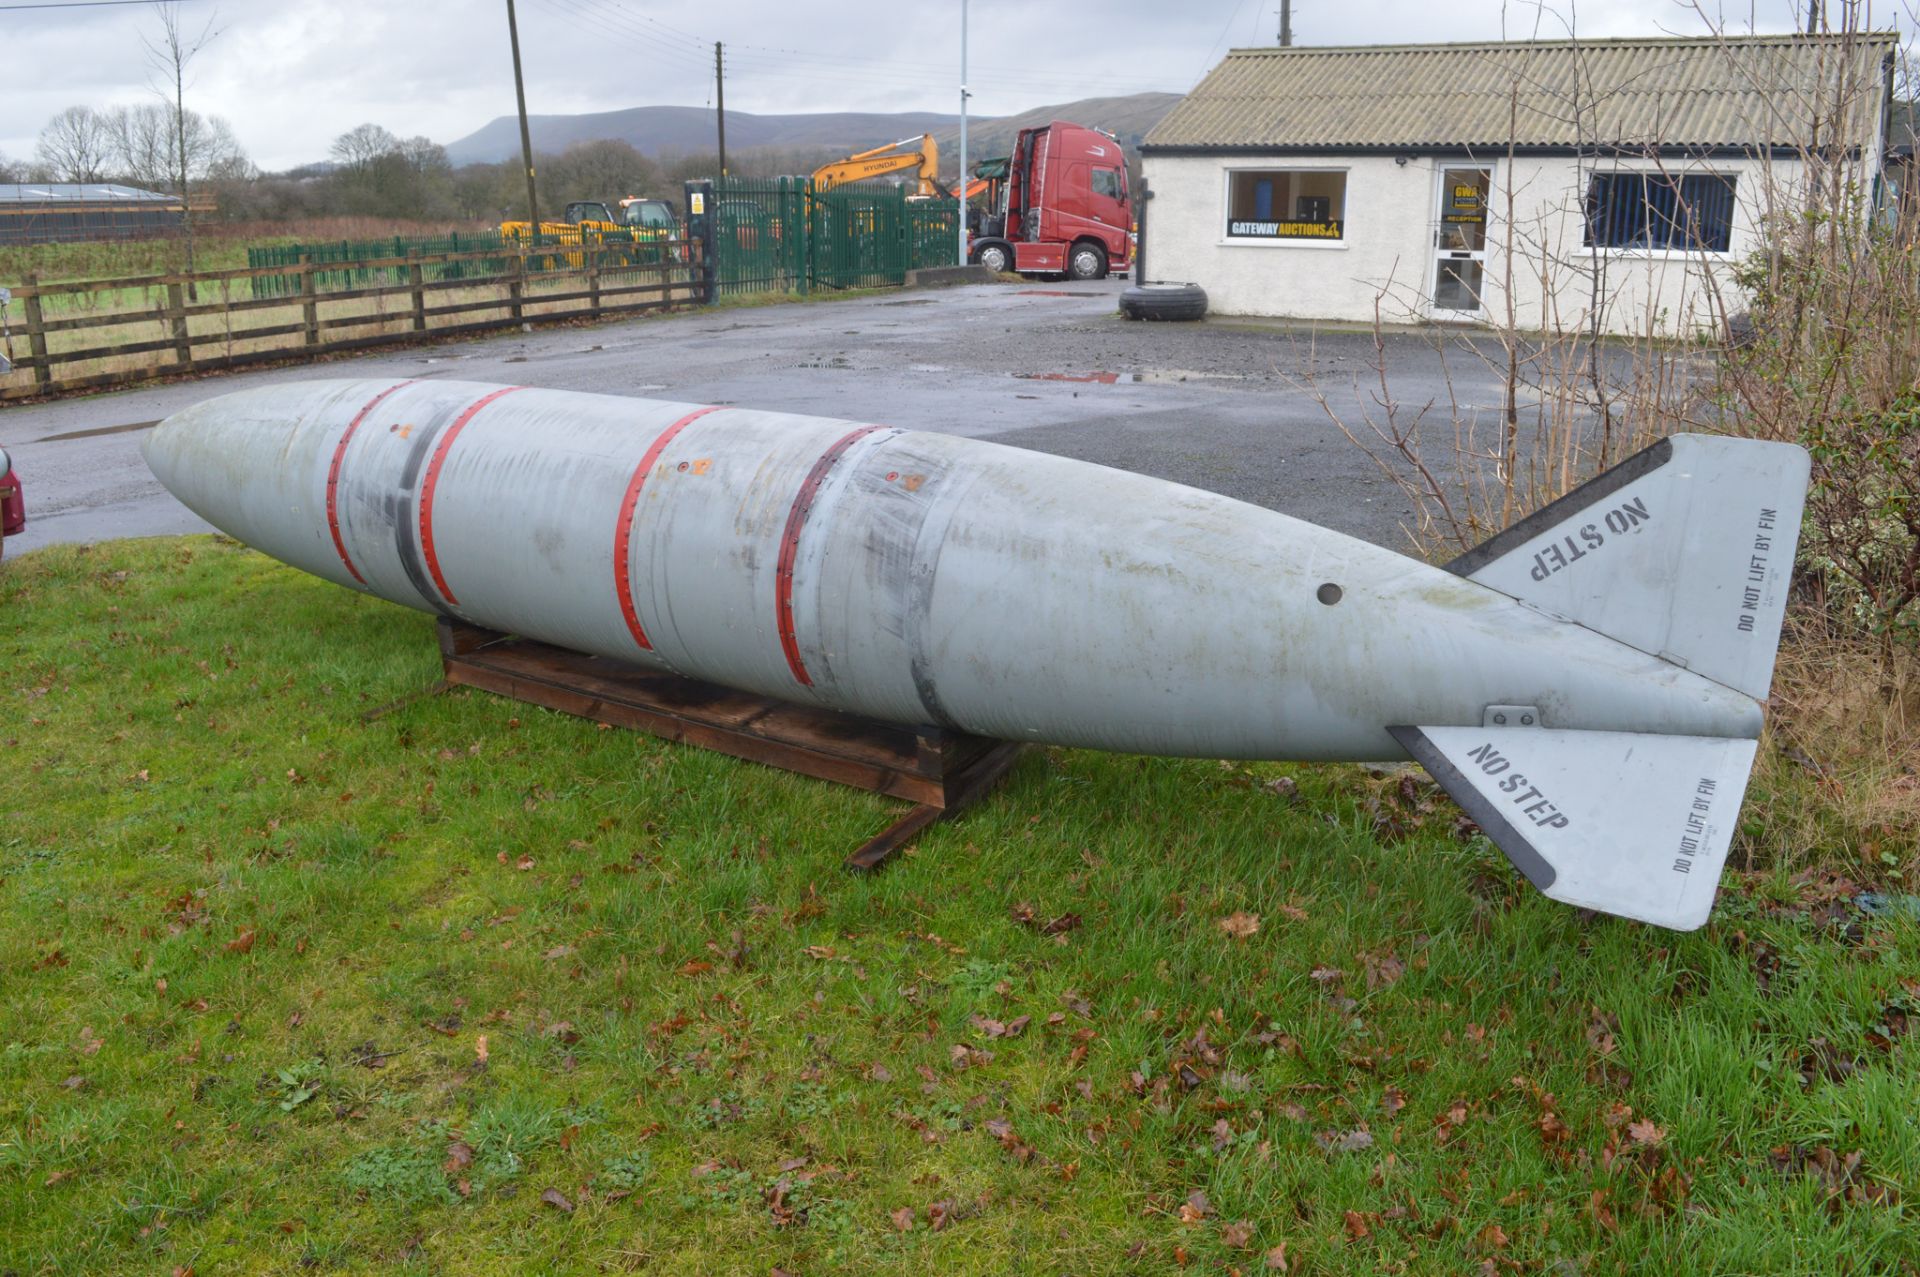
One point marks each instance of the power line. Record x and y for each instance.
(622, 28)
(72, 4)
(613, 17)
(763, 62)
(692, 40)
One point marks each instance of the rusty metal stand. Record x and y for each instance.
(940, 772)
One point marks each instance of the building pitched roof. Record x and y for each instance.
(1746, 92)
(76, 192)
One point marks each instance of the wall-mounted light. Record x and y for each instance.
(1401, 160)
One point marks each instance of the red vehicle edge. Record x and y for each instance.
(13, 501)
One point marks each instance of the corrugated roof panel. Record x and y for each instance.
(1747, 92)
(76, 192)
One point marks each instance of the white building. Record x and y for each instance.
(1524, 183)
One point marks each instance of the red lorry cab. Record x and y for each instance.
(1063, 208)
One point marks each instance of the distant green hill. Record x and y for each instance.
(685, 130)
(1128, 118)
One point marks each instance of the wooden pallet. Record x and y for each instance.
(940, 772)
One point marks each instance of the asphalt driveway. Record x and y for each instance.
(1224, 406)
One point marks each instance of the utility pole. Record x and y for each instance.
(526, 138)
(720, 101)
(1286, 24)
(1813, 17)
(961, 191)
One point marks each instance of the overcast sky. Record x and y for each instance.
(290, 75)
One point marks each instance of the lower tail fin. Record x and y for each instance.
(1627, 823)
(1684, 551)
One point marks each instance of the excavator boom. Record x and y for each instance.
(883, 160)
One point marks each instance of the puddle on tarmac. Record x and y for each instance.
(1149, 375)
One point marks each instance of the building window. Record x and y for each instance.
(1691, 213)
(1286, 204)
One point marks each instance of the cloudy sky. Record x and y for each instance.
(290, 75)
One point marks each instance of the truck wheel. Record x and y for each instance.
(997, 258)
(1087, 261)
(1164, 301)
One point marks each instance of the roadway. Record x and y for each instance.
(1224, 406)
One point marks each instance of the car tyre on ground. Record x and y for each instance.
(1164, 301)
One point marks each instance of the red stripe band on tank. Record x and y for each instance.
(433, 478)
(333, 477)
(790, 547)
(623, 532)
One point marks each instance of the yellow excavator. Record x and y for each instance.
(883, 160)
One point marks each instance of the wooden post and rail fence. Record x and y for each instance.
(69, 325)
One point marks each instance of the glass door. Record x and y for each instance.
(1460, 240)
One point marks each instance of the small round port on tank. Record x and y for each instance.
(1328, 594)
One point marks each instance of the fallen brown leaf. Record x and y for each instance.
(1238, 1235)
(555, 1198)
(242, 943)
(902, 1218)
(1240, 924)
(1645, 1133)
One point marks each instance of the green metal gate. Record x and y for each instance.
(780, 235)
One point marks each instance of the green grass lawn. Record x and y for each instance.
(477, 988)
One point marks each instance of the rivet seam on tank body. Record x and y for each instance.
(333, 476)
(433, 477)
(623, 531)
(790, 547)
(931, 539)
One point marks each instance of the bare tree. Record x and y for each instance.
(356, 150)
(77, 145)
(140, 138)
(145, 142)
(600, 170)
(170, 54)
(9, 172)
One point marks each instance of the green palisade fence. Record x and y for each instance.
(781, 235)
(340, 264)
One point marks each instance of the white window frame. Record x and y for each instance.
(1628, 253)
(1317, 245)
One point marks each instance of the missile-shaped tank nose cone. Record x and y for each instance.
(244, 462)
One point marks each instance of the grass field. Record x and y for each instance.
(478, 988)
(220, 246)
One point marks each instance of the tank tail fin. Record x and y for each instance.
(1684, 550)
(1628, 823)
